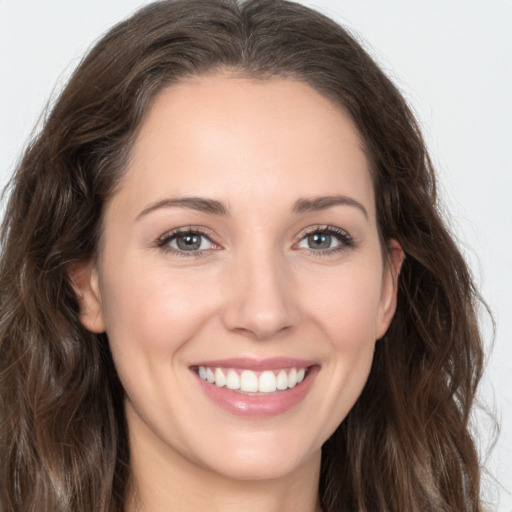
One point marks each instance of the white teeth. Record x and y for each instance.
(220, 379)
(282, 380)
(232, 380)
(292, 378)
(210, 376)
(267, 382)
(250, 382)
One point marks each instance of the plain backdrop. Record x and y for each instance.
(452, 59)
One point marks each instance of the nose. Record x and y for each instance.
(262, 303)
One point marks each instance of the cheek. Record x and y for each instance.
(345, 309)
(351, 323)
(346, 304)
(152, 311)
(150, 318)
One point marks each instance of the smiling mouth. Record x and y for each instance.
(256, 388)
(251, 382)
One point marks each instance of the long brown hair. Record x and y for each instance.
(405, 446)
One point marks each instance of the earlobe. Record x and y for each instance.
(390, 287)
(84, 277)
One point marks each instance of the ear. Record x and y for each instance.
(388, 299)
(84, 277)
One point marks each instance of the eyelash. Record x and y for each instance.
(346, 241)
(164, 241)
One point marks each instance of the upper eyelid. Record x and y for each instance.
(322, 227)
(201, 230)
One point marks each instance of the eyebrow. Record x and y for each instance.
(214, 207)
(315, 204)
(200, 204)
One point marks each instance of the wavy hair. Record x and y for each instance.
(405, 445)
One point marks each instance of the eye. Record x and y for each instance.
(186, 241)
(190, 242)
(325, 239)
(319, 240)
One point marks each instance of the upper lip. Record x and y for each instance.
(247, 363)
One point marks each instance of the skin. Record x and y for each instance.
(256, 288)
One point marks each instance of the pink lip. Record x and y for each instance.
(258, 406)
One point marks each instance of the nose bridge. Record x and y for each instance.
(262, 301)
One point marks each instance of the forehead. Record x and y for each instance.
(238, 138)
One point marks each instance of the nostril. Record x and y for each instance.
(246, 320)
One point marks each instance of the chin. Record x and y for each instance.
(261, 461)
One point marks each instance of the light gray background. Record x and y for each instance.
(452, 60)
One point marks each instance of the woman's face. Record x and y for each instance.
(241, 251)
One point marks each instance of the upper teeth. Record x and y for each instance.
(248, 381)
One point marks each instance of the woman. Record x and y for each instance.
(225, 281)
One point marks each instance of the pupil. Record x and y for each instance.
(319, 241)
(189, 242)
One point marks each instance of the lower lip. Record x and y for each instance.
(259, 406)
